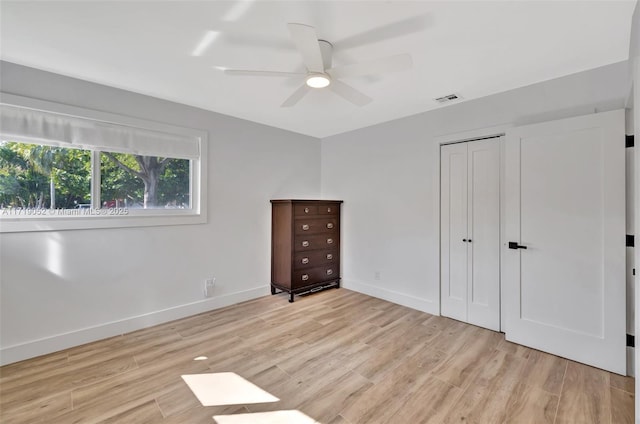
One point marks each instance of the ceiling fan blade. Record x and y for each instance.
(242, 72)
(296, 96)
(395, 63)
(256, 40)
(349, 93)
(386, 32)
(306, 40)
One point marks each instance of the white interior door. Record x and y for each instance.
(470, 232)
(565, 215)
(483, 305)
(453, 229)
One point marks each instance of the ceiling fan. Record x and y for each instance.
(317, 55)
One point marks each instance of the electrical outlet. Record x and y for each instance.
(209, 283)
(376, 275)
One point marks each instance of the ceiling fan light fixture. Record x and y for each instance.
(318, 80)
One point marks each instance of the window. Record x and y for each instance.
(94, 170)
(134, 181)
(34, 176)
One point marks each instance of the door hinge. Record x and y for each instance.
(630, 240)
(631, 340)
(628, 141)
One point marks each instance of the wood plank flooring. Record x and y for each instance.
(338, 356)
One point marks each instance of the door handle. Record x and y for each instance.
(515, 245)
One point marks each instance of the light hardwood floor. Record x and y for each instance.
(338, 356)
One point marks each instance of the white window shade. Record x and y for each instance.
(42, 127)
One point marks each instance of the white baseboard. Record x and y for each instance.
(410, 301)
(631, 369)
(58, 342)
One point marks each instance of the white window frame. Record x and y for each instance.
(197, 214)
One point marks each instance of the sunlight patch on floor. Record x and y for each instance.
(226, 388)
(273, 417)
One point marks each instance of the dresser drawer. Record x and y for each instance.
(314, 258)
(330, 209)
(315, 226)
(304, 209)
(306, 277)
(313, 242)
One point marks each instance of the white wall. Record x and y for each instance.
(388, 176)
(64, 288)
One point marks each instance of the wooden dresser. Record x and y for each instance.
(305, 245)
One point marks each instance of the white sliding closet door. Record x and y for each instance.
(565, 224)
(470, 232)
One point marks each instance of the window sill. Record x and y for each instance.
(100, 219)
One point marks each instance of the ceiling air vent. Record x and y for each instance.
(448, 98)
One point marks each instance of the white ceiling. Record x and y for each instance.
(474, 48)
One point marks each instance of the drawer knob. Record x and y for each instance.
(305, 227)
(330, 225)
(305, 260)
(328, 210)
(305, 277)
(329, 256)
(329, 271)
(306, 210)
(329, 241)
(305, 243)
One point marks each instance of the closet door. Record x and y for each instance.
(483, 247)
(565, 224)
(470, 232)
(453, 231)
